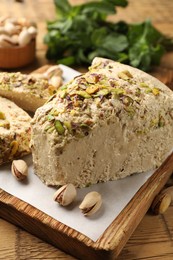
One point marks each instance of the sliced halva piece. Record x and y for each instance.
(28, 91)
(109, 123)
(14, 131)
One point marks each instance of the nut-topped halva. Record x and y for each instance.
(30, 91)
(15, 131)
(103, 125)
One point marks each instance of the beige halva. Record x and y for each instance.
(106, 124)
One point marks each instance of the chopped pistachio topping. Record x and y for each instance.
(5, 124)
(118, 91)
(127, 100)
(2, 115)
(59, 127)
(14, 147)
(125, 75)
(154, 122)
(52, 90)
(156, 91)
(28, 83)
(144, 85)
(161, 122)
(102, 92)
(50, 117)
(88, 96)
(68, 125)
(148, 90)
(83, 94)
(92, 89)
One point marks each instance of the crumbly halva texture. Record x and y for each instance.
(109, 123)
(15, 131)
(27, 91)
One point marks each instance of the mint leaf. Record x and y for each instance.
(82, 32)
(144, 45)
(62, 7)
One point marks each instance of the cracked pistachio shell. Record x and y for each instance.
(53, 71)
(55, 81)
(24, 37)
(91, 203)
(19, 169)
(33, 31)
(65, 195)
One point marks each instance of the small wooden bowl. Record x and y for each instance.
(16, 57)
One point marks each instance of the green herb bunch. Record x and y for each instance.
(83, 32)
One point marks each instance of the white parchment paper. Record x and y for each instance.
(115, 194)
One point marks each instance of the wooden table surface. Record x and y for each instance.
(153, 239)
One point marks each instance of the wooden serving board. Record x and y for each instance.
(110, 243)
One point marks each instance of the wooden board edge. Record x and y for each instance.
(117, 234)
(48, 229)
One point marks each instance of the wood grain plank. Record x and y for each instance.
(31, 247)
(168, 220)
(156, 233)
(149, 251)
(7, 244)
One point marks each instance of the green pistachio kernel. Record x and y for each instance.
(127, 100)
(144, 85)
(14, 145)
(148, 90)
(59, 127)
(161, 122)
(92, 89)
(5, 124)
(154, 122)
(138, 92)
(2, 115)
(156, 91)
(47, 127)
(67, 124)
(118, 91)
(130, 110)
(102, 92)
(63, 87)
(83, 93)
(50, 129)
(50, 117)
(62, 93)
(91, 79)
(125, 75)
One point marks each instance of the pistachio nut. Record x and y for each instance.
(32, 30)
(24, 37)
(10, 28)
(55, 81)
(65, 195)
(156, 91)
(19, 169)
(14, 145)
(6, 41)
(2, 115)
(91, 203)
(53, 71)
(59, 127)
(125, 75)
